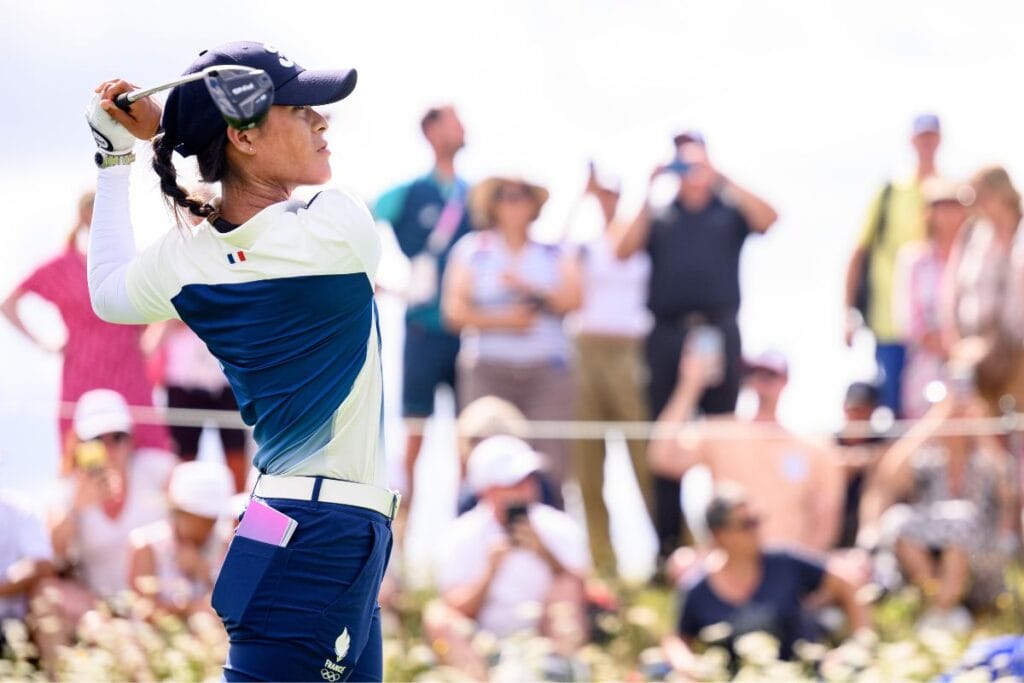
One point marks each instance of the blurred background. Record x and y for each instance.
(806, 104)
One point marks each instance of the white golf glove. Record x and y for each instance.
(111, 137)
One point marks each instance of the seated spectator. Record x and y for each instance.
(175, 561)
(795, 482)
(25, 557)
(958, 532)
(859, 452)
(112, 489)
(920, 268)
(485, 417)
(507, 563)
(507, 294)
(744, 588)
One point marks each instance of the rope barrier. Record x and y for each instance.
(713, 428)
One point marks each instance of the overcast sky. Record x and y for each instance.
(807, 103)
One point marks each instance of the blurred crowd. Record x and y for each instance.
(636, 324)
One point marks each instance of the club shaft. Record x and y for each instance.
(137, 95)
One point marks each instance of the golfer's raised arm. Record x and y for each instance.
(112, 243)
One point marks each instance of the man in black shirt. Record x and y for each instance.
(695, 245)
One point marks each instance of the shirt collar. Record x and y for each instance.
(246, 234)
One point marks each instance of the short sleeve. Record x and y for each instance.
(460, 559)
(44, 281)
(151, 281)
(347, 228)
(687, 623)
(463, 250)
(563, 537)
(738, 220)
(807, 571)
(390, 205)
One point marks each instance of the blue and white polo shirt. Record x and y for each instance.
(285, 302)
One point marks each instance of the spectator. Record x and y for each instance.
(97, 354)
(507, 562)
(895, 218)
(26, 557)
(920, 267)
(859, 453)
(608, 332)
(694, 245)
(428, 215)
(797, 483)
(175, 561)
(194, 380)
(958, 532)
(985, 296)
(485, 417)
(747, 588)
(112, 489)
(507, 294)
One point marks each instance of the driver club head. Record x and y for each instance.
(243, 95)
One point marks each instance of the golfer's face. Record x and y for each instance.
(291, 148)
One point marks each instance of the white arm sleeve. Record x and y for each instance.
(111, 249)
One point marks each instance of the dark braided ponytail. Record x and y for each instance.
(213, 166)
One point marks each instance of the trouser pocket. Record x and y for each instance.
(241, 596)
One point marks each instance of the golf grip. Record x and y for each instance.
(122, 102)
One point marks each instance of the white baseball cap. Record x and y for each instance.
(501, 461)
(201, 488)
(99, 412)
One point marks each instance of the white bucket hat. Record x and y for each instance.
(201, 488)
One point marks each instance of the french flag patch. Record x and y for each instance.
(236, 257)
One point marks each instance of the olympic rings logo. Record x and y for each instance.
(331, 676)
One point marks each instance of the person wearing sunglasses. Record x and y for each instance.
(744, 587)
(507, 294)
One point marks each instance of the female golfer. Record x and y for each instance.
(281, 292)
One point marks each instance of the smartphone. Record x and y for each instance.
(91, 456)
(709, 343)
(514, 514)
(677, 166)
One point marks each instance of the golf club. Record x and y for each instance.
(243, 95)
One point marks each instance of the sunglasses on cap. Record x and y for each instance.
(513, 193)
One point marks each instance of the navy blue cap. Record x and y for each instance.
(926, 123)
(192, 121)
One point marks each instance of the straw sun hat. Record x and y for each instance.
(483, 197)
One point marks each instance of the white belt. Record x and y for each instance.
(331, 491)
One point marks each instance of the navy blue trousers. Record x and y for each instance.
(307, 611)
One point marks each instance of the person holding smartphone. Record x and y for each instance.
(694, 244)
(504, 563)
(112, 489)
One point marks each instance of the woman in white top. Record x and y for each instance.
(113, 489)
(507, 295)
